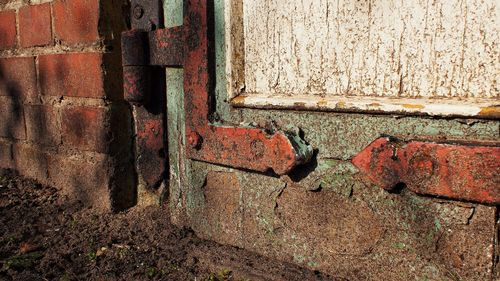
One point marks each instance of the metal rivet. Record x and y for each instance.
(194, 140)
(138, 12)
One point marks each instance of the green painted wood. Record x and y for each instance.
(222, 106)
(347, 227)
(173, 13)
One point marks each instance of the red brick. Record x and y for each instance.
(76, 21)
(11, 119)
(81, 177)
(18, 78)
(6, 155)
(35, 25)
(7, 29)
(85, 128)
(42, 125)
(74, 75)
(31, 162)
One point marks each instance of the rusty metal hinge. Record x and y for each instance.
(144, 87)
(469, 172)
(188, 46)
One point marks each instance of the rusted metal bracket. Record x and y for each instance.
(469, 172)
(144, 88)
(189, 46)
(241, 147)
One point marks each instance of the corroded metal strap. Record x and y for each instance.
(248, 148)
(462, 172)
(241, 147)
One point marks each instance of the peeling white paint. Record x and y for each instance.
(441, 56)
(394, 105)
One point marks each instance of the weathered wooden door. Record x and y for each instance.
(359, 138)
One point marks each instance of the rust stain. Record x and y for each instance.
(413, 106)
(453, 171)
(238, 100)
(492, 111)
(340, 104)
(151, 162)
(167, 46)
(322, 103)
(136, 84)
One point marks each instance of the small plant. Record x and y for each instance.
(223, 275)
(170, 268)
(92, 256)
(400, 245)
(173, 267)
(8, 241)
(66, 277)
(212, 277)
(122, 253)
(22, 261)
(73, 222)
(151, 272)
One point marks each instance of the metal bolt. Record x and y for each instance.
(194, 140)
(138, 12)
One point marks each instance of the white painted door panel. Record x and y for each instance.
(440, 57)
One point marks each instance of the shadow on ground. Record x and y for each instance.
(44, 239)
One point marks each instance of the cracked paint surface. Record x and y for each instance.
(324, 215)
(390, 48)
(414, 57)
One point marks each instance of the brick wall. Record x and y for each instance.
(63, 120)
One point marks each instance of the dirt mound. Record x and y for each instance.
(43, 236)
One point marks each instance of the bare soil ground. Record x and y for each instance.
(45, 237)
